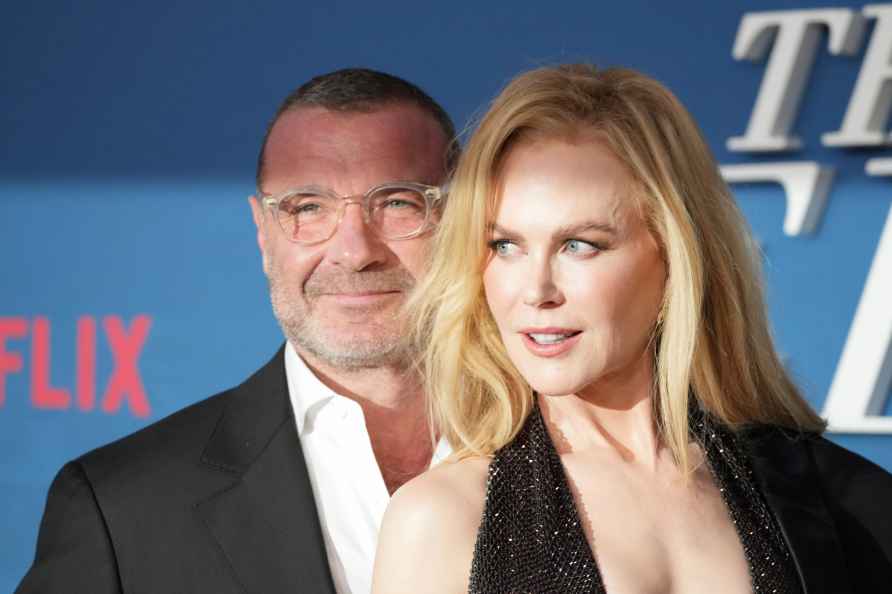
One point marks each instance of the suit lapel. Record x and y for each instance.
(788, 479)
(266, 522)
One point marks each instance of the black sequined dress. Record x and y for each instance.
(531, 539)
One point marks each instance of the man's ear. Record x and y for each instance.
(261, 223)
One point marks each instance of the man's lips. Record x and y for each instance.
(361, 298)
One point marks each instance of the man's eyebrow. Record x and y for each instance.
(566, 230)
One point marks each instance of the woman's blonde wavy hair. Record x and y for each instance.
(713, 341)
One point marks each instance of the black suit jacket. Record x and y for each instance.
(216, 499)
(213, 499)
(834, 509)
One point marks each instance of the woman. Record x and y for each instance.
(597, 352)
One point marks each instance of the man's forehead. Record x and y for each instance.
(316, 129)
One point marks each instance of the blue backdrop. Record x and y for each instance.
(132, 284)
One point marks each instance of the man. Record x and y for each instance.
(279, 484)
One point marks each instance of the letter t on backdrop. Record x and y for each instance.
(795, 46)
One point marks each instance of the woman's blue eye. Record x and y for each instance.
(577, 246)
(502, 247)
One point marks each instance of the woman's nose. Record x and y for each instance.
(541, 289)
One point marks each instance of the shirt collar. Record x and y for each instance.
(308, 394)
(442, 451)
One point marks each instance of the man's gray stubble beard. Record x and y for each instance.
(307, 332)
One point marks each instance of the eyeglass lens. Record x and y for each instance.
(392, 212)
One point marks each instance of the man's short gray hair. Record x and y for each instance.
(361, 90)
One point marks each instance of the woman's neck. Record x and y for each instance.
(614, 415)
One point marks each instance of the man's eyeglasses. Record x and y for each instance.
(394, 211)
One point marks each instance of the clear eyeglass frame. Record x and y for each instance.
(431, 194)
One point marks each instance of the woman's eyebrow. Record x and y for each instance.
(575, 228)
(564, 230)
(499, 230)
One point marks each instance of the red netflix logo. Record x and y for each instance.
(124, 383)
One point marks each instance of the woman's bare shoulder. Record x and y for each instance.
(463, 480)
(439, 497)
(429, 530)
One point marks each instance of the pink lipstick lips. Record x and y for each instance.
(549, 342)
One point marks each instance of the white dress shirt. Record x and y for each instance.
(350, 493)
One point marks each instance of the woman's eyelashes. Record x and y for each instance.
(583, 248)
(503, 247)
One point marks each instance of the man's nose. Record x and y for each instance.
(540, 288)
(354, 244)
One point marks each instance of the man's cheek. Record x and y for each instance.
(415, 261)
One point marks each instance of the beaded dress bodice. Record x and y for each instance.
(531, 538)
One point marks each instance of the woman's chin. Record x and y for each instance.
(555, 389)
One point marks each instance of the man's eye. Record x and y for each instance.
(399, 203)
(307, 207)
(303, 208)
(503, 247)
(397, 199)
(577, 246)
